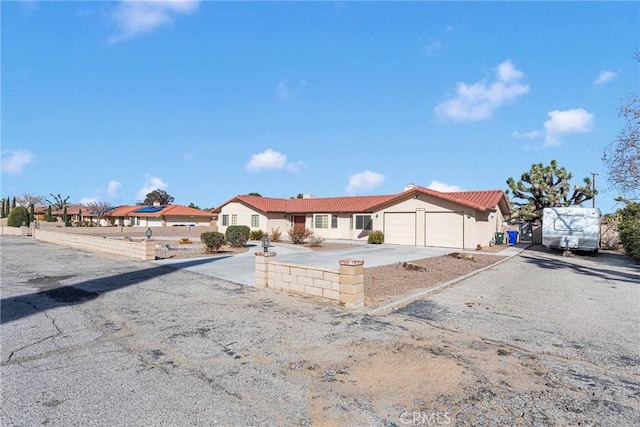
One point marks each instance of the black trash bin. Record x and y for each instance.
(499, 238)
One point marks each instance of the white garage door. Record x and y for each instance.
(445, 229)
(400, 228)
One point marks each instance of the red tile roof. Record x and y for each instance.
(179, 210)
(481, 200)
(71, 210)
(124, 210)
(172, 210)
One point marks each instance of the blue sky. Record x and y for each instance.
(206, 100)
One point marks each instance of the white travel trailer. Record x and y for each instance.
(572, 228)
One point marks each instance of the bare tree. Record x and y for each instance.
(58, 202)
(98, 209)
(30, 199)
(622, 156)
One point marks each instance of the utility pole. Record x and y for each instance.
(594, 188)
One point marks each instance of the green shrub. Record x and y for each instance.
(256, 235)
(376, 237)
(212, 241)
(628, 229)
(276, 235)
(299, 234)
(237, 235)
(18, 216)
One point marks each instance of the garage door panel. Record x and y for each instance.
(400, 228)
(444, 229)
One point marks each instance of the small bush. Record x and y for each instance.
(376, 238)
(298, 235)
(212, 241)
(316, 241)
(185, 241)
(18, 216)
(628, 229)
(276, 235)
(237, 235)
(256, 235)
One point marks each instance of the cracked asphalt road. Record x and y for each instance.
(100, 340)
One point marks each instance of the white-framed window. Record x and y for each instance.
(225, 220)
(334, 221)
(321, 221)
(255, 221)
(363, 222)
(234, 219)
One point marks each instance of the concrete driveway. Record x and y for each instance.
(240, 268)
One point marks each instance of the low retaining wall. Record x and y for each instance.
(5, 230)
(142, 250)
(186, 231)
(345, 285)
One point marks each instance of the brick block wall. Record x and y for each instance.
(141, 250)
(345, 285)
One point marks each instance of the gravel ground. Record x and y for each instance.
(100, 340)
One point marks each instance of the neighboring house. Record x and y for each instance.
(158, 216)
(74, 212)
(418, 216)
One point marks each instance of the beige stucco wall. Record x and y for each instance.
(478, 227)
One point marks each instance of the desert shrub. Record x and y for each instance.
(628, 229)
(299, 234)
(256, 235)
(212, 241)
(185, 241)
(18, 216)
(376, 237)
(275, 235)
(237, 235)
(316, 241)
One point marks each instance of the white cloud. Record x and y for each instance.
(133, 17)
(86, 200)
(296, 167)
(30, 4)
(268, 159)
(565, 122)
(527, 135)
(112, 188)
(286, 91)
(364, 181)
(604, 77)
(152, 183)
(442, 187)
(477, 101)
(13, 161)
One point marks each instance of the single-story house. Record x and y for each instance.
(418, 216)
(75, 213)
(158, 216)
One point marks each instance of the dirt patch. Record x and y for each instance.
(388, 282)
(171, 249)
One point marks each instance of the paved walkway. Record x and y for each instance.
(240, 268)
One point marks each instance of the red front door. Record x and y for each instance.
(299, 221)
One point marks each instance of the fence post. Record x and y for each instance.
(352, 283)
(262, 268)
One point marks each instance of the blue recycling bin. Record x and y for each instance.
(513, 236)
